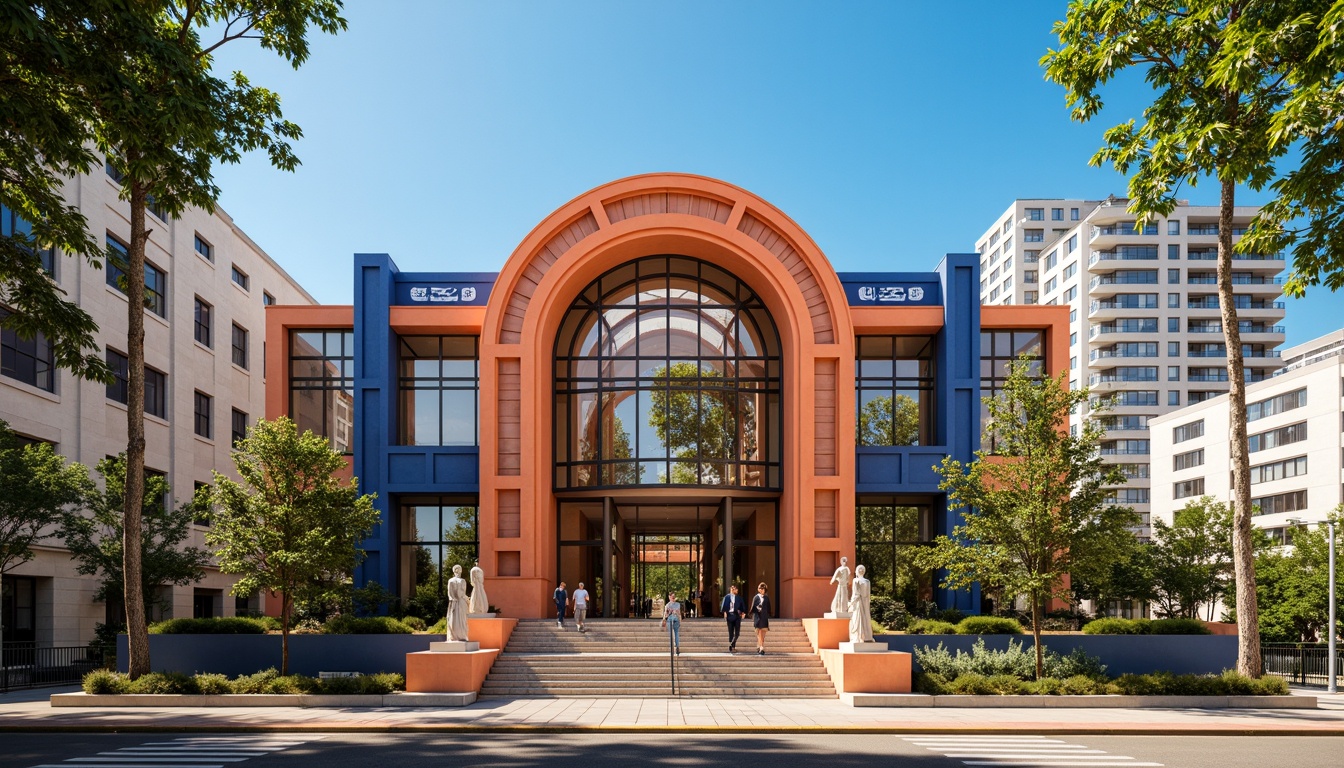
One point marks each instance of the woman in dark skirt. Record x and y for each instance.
(760, 617)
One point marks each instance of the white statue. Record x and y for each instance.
(840, 603)
(457, 606)
(860, 621)
(479, 602)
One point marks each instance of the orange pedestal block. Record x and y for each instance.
(868, 672)
(429, 672)
(826, 633)
(492, 634)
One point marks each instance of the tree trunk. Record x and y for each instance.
(137, 631)
(1243, 556)
(1036, 635)
(284, 634)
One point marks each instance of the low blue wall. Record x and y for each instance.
(234, 655)
(1122, 654)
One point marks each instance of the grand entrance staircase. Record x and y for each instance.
(629, 657)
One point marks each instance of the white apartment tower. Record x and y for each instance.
(1145, 328)
(208, 286)
(1294, 440)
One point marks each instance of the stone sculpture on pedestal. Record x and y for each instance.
(840, 603)
(457, 606)
(480, 604)
(860, 621)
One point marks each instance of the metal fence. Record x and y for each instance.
(29, 665)
(1301, 663)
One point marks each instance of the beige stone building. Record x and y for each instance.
(208, 287)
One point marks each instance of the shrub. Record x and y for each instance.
(104, 681)
(1082, 685)
(980, 661)
(1111, 626)
(931, 627)
(889, 613)
(1177, 627)
(1046, 686)
(229, 625)
(934, 685)
(256, 682)
(365, 625)
(381, 683)
(213, 684)
(165, 682)
(293, 684)
(439, 627)
(341, 686)
(950, 615)
(416, 623)
(988, 625)
(1078, 662)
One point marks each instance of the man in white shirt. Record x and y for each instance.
(580, 601)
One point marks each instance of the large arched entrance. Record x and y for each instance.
(663, 356)
(667, 375)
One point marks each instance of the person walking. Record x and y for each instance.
(672, 619)
(733, 609)
(760, 616)
(561, 600)
(580, 601)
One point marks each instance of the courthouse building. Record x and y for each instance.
(666, 357)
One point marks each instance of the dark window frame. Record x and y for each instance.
(239, 344)
(416, 373)
(203, 410)
(316, 374)
(29, 361)
(203, 329)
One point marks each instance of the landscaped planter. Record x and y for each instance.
(400, 699)
(235, 655)
(1079, 702)
(1122, 654)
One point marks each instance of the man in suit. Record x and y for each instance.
(733, 609)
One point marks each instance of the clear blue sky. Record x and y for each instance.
(893, 132)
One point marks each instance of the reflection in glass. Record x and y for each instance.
(894, 376)
(998, 350)
(887, 535)
(321, 384)
(438, 387)
(437, 532)
(677, 385)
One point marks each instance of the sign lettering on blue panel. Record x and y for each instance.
(424, 293)
(893, 294)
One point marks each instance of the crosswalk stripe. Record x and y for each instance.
(1021, 752)
(188, 752)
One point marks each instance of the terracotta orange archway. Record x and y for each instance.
(648, 215)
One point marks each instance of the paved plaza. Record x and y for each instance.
(30, 711)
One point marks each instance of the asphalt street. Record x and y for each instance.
(598, 750)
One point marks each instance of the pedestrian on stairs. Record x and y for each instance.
(760, 616)
(561, 600)
(672, 618)
(733, 609)
(580, 601)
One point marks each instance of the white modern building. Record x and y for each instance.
(1294, 423)
(208, 286)
(1145, 324)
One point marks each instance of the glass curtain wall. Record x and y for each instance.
(667, 372)
(887, 532)
(437, 532)
(998, 350)
(439, 388)
(322, 385)
(895, 386)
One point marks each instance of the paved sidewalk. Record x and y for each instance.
(30, 711)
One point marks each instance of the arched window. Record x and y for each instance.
(667, 372)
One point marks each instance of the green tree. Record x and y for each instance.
(141, 82)
(1034, 511)
(889, 421)
(37, 486)
(696, 417)
(45, 138)
(1236, 84)
(1192, 558)
(1294, 585)
(94, 536)
(290, 524)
